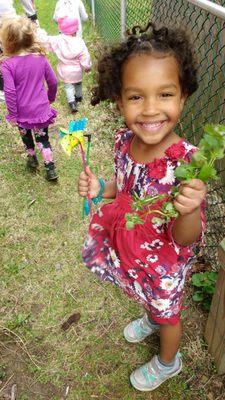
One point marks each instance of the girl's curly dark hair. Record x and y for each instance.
(165, 41)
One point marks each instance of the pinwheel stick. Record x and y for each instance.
(84, 164)
(88, 135)
(70, 139)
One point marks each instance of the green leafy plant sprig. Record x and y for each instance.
(205, 284)
(202, 166)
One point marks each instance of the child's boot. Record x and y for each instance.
(73, 106)
(32, 162)
(51, 174)
(138, 330)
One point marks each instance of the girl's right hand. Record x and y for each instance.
(88, 184)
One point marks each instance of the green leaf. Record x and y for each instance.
(198, 296)
(209, 289)
(218, 153)
(215, 129)
(212, 276)
(129, 225)
(198, 158)
(139, 204)
(197, 279)
(185, 172)
(175, 191)
(206, 304)
(132, 219)
(209, 129)
(169, 209)
(209, 142)
(206, 173)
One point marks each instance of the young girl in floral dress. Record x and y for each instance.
(149, 76)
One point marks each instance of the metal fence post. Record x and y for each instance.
(93, 11)
(123, 18)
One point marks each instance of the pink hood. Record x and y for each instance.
(72, 53)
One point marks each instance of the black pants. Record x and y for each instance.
(1, 79)
(1, 82)
(42, 141)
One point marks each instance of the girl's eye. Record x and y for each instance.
(166, 94)
(134, 97)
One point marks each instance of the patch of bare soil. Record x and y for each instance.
(16, 379)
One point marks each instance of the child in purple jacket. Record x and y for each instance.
(25, 71)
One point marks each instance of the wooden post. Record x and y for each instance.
(215, 327)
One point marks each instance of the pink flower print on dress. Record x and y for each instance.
(152, 258)
(169, 283)
(142, 265)
(160, 270)
(169, 177)
(133, 273)
(156, 244)
(139, 291)
(146, 246)
(176, 151)
(115, 259)
(190, 148)
(157, 169)
(161, 304)
(99, 213)
(120, 180)
(97, 227)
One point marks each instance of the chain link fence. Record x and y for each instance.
(207, 28)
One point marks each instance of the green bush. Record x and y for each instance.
(205, 282)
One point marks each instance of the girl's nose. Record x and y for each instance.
(150, 107)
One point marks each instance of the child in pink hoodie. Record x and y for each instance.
(73, 58)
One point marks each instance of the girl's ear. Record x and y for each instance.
(119, 104)
(183, 100)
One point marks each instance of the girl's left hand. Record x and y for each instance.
(190, 196)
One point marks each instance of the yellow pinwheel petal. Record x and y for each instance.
(79, 136)
(66, 145)
(71, 140)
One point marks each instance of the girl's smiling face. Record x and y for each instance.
(151, 99)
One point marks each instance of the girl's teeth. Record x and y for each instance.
(152, 125)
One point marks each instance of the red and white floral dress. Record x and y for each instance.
(145, 261)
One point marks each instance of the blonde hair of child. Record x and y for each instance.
(17, 35)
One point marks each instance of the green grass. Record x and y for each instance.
(43, 280)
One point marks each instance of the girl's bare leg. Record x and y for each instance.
(170, 337)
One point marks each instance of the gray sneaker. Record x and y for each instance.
(138, 330)
(153, 374)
